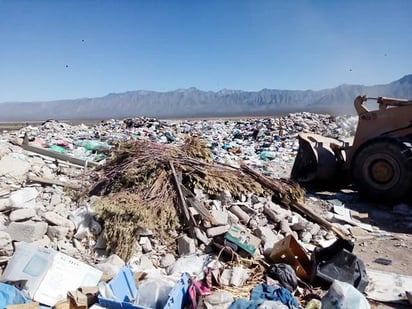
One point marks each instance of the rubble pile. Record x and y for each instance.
(162, 214)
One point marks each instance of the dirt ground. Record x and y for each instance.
(391, 239)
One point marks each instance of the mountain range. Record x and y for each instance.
(196, 103)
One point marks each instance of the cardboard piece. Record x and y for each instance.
(240, 235)
(49, 274)
(289, 251)
(33, 305)
(343, 214)
(387, 287)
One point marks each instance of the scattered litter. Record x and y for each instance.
(199, 211)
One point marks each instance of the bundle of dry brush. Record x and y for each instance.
(139, 192)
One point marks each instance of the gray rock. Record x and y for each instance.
(57, 232)
(6, 246)
(27, 231)
(22, 214)
(167, 260)
(58, 220)
(218, 230)
(186, 245)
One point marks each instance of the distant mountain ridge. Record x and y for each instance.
(193, 102)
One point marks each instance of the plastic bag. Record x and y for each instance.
(285, 274)
(342, 295)
(153, 293)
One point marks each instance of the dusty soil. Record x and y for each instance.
(391, 239)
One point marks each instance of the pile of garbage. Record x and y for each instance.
(143, 213)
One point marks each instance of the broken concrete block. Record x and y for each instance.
(24, 198)
(218, 299)
(58, 220)
(27, 231)
(146, 245)
(57, 232)
(253, 224)
(6, 246)
(313, 228)
(3, 222)
(201, 236)
(284, 227)
(268, 237)
(22, 214)
(14, 165)
(44, 242)
(258, 206)
(111, 266)
(225, 197)
(305, 236)
(186, 245)
(275, 212)
(55, 200)
(218, 230)
(4, 204)
(167, 260)
(220, 216)
(238, 212)
(233, 219)
(100, 242)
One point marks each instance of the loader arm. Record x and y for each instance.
(392, 119)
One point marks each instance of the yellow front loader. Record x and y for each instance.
(379, 159)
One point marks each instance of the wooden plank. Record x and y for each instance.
(183, 205)
(281, 188)
(49, 181)
(55, 155)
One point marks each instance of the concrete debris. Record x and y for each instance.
(24, 198)
(42, 200)
(22, 214)
(27, 231)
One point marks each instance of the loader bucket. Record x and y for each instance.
(316, 161)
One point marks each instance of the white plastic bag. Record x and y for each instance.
(342, 295)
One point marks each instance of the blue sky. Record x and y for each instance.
(70, 49)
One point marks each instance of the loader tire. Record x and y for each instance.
(382, 170)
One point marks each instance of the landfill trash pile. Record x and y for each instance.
(144, 213)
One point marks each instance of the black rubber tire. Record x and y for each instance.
(382, 170)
